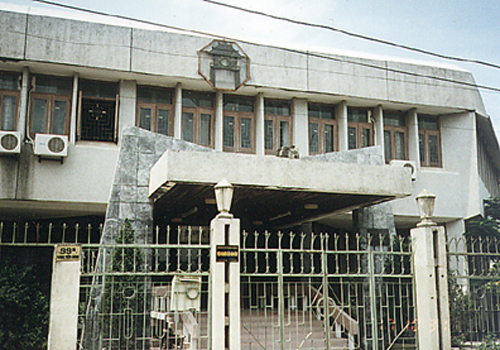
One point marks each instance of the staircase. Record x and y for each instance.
(260, 330)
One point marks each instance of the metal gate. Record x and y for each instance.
(298, 290)
(474, 290)
(363, 284)
(149, 295)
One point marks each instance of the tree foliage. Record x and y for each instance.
(24, 308)
(489, 226)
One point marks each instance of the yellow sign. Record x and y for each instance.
(68, 252)
(227, 253)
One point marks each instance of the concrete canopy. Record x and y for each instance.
(268, 190)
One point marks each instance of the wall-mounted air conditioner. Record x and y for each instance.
(49, 146)
(406, 164)
(10, 142)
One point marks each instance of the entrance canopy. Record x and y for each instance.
(268, 190)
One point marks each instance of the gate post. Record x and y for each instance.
(224, 273)
(431, 279)
(64, 294)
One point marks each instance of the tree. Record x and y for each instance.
(489, 226)
(24, 308)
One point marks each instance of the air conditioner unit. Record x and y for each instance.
(10, 142)
(49, 146)
(406, 164)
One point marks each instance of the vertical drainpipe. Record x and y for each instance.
(259, 125)
(342, 125)
(22, 125)
(219, 121)
(178, 111)
(74, 106)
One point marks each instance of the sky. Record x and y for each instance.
(460, 28)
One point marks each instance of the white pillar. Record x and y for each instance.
(178, 111)
(22, 124)
(259, 125)
(413, 149)
(64, 294)
(431, 287)
(127, 107)
(300, 126)
(342, 125)
(225, 231)
(378, 115)
(74, 109)
(219, 121)
(457, 244)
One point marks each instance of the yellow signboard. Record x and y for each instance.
(68, 252)
(227, 253)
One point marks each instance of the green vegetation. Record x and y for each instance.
(24, 307)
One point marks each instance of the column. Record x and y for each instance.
(74, 109)
(219, 121)
(342, 125)
(431, 278)
(178, 111)
(22, 124)
(413, 148)
(127, 107)
(457, 244)
(259, 125)
(300, 126)
(378, 115)
(64, 294)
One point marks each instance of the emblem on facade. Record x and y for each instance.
(224, 65)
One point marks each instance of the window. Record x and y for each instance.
(322, 128)
(429, 140)
(154, 110)
(197, 117)
(9, 98)
(359, 128)
(239, 124)
(395, 142)
(50, 105)
(277, 125)
(98, 120)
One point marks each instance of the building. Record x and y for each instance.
(105, 121)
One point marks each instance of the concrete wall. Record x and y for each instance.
(122, 48)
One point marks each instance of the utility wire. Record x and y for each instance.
(359, 36)
(301, 52)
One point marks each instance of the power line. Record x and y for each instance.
(358, 36)
(301, 52)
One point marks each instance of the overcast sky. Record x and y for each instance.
(464, 28)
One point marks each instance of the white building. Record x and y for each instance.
(70, 88)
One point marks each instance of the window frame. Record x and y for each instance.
(197, 113)
(105, 99)
(426, 149)
(51, 99)
(277, 119)
(155, 107)
(238, 116)
(13, 93)
(393, 129)
(360, 126)
(322, 122)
